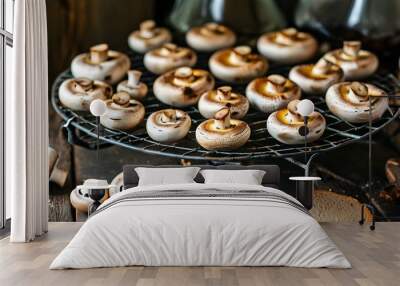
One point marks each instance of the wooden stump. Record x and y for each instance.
(333, 207)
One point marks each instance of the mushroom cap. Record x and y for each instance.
(111, 71)
(168, 125)
(183, 86)
(212, 101)
(210, 37)
(284, 125)
(148, 37)
(123, 113)
(211, 137)
(287, 46)
(350, 101)
(237, 65)
(271, 93)
(355, 63)
(315, 81)
(78, 93)
(168, 57)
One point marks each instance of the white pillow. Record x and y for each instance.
(166, 176)
(247, 177)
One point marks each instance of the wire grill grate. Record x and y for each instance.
(260, 144)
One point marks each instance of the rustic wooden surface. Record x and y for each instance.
(375, 258)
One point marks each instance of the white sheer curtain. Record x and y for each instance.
(27, 123)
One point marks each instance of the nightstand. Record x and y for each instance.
(305, 189)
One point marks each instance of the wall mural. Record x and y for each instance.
(178, 88)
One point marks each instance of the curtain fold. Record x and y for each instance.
(27, 123)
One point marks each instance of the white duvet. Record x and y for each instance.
(200, 231)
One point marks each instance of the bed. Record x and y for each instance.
(201, 224)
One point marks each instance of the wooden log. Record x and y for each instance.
(332, 207)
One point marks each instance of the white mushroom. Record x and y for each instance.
(122, 113)
(183, 86)
(271, 93)
(237, 65)
(101, 64)
(222, 132)
(316, 79)
(168, 125)
(133, 86)
(285, 125)
(350, 101)
(210, 37)
(148, 37)
(78, 93)
(214, 100)
(355, 63)
(287, 46)
(169, 57)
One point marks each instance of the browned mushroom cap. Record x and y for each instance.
(82, 85)
(99, 53)
(121, 98)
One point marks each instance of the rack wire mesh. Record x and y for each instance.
(260, 145)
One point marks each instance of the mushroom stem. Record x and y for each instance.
(351, 48)
(147, 29)
(224, 93)
(99, 53)
(286, 36)
(240, 54)
(322, 67)
(357, 92)
(134, 77)
(223, 118)
(83, 85)
(358, 89)
(168, 49)
(168, 116)
(212, 28)
(275, 84)
(182, 76)
(121, 98)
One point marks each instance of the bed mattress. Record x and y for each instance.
(201, 225)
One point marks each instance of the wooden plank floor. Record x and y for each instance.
(375, 257)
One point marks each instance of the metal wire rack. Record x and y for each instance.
(260, 145)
